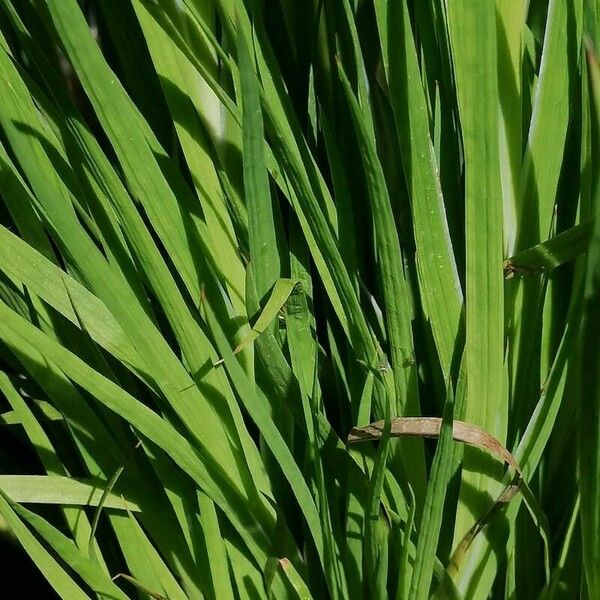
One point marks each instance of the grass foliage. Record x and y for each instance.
(231, 231)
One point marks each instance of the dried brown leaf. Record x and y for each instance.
(429, 427)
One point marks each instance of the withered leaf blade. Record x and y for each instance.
(429, 427)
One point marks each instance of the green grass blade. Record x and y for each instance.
(557, 584)
(472, 31)
(375, 546)
(279, 295)
(547, 129)
(57, 489)
(550, 254)
(299, 587)
(441, 467)
(299, 316)
(404, 567)
(217, 556)
(264, 257)
(510, 21)
(101, 503)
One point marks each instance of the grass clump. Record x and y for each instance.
(236, 235)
